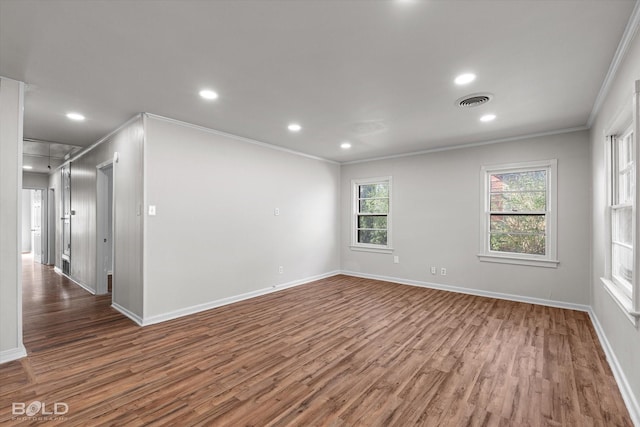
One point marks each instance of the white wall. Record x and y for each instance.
(215, 235)
(11, 113)
(35, 180)
(623, 337)
(436, 219)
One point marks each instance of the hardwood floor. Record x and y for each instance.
(337, 352)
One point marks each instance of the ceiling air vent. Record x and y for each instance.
(474, 100)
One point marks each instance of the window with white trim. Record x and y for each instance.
(621, 210)
(622, 262)
(518, 218)
(620, 279)
(371, 223)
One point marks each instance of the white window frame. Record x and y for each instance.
(355, 245)
(626, 122)
(549, 259)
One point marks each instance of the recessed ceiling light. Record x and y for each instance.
(208, 94)
(464, 79)
(294, 127)
(487, 117)
(27, 167)
(75, 116)
(345, 145)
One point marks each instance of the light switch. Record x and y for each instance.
(152, 210)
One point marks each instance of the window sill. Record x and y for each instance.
(623, 301)
(370, 249)
(533, 262)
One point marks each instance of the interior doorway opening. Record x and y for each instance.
(105, 209)
(34, 224)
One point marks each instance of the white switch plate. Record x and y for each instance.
(396, 259)
(152, 210)
(433, 270)
(276, 211)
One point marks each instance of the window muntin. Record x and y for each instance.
(372, 208)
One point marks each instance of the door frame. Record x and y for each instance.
(102, 186)
(51, 226)
(44, 223)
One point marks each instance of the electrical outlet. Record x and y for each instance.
(276, 211)
(433, 270)
(396, 259)
(281, 269)
(443, 271)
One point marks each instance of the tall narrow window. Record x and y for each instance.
(372, 214)
(622, 222)
(518, 218)
(622, 263)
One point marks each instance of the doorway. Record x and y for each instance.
(104, 206)
(34, 225)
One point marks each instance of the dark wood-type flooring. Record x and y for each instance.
(338, 352)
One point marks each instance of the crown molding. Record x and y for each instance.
(471, 145)
(239, 138)
(621, 52)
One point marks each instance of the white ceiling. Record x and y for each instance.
(376, 73)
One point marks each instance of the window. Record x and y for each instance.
(621, 265)
(371, 226)
(519, 214)
(621, 209)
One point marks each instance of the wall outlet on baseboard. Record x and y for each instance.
(443, 271)
(396, 259)
(433, 270)
(281, 269)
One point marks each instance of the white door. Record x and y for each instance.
(36, 225)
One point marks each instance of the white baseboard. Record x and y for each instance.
(13, 354)
(131, 315)
(76, 281)
(230, 300)
(470, 291)
(623, 384)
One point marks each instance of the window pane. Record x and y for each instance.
(534, 224)
(374, 237)
(621, 220)
(374, 206)
(519, 181)
(624, 186)
(622, 263)
(517, 243)
(623, 164)
(372, 221)
(374, 190)
(514, 202)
